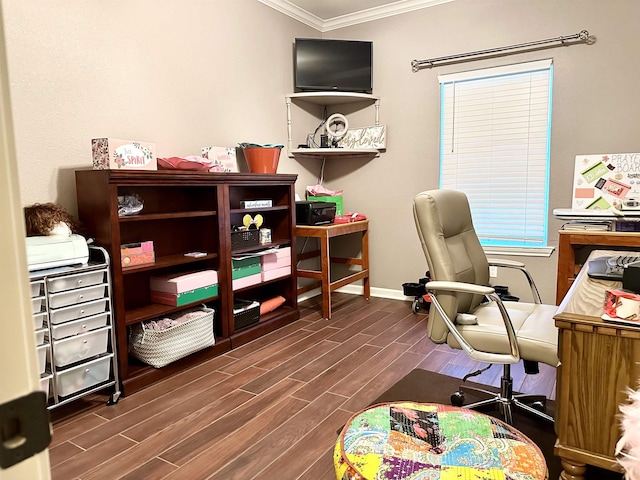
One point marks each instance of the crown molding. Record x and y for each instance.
(376, 13)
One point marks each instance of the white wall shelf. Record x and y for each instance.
(330, 98)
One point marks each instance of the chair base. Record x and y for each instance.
(505, 399)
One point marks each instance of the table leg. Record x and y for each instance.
(326, 276)
(572, 470)
(365, 264)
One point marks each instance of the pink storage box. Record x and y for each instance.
(246, 281)
(279, 259)
(118, 154)
(276, 273)
(183, 282)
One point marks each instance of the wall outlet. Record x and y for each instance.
(493, 271)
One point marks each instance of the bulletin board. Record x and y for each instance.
(601, 182)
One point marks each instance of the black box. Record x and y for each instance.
(631, 278)
(245, 313)
(315, 213)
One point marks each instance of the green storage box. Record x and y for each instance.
(337, 199)
(179, 299)
(245, 262)
(245, 271)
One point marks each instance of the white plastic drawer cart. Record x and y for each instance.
(74, 328)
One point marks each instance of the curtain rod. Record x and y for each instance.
(583, 36)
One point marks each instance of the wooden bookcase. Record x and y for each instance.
(185, 212)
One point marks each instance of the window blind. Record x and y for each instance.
(494, 146)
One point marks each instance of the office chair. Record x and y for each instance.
(465, 311)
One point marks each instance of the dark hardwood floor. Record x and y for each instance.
(269, 409)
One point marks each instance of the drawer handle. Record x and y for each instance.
(81, 312)
(84, 327)
(80, 282)
(87, 370)
(80, 297)
(84, 341)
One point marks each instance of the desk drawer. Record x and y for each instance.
(68, 282)
(79, 295)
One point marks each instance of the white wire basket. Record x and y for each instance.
(161, 347)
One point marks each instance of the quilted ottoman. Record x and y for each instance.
(436, 442)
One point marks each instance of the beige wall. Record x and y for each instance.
(189, 73)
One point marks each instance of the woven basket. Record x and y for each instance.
(161, 347)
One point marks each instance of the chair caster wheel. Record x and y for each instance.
(415, 306)
(457, 399)
(540, 406)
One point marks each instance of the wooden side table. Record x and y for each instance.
(323, 276)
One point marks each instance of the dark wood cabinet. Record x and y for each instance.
(186, 212)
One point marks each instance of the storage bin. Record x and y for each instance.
(245, 239)
(38, 319)
(44, 384)
(36, 304)
(40, 335)
(68, 282)
(78, 295)
(76, 327)
(43, 353)
(36, 288)
(80, 347)
(161, 347)
(245, 313)
(77, 311)
(83, 376)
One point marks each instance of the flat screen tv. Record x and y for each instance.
(333, 65)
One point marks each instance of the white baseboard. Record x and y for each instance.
(359, 290)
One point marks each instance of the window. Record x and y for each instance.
(494, 146)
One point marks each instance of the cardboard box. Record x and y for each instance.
(183, 282)
(276, 273)
(246, 281)
(337, 199)
(137, 253)
(118, 154)
(179, 299)
(279, 259)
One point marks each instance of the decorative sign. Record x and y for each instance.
(602, 182)
(223, 159)
(367, 137)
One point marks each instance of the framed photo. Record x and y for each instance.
(366, 137)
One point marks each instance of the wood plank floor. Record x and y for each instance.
(269, 409)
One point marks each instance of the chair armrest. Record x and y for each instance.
(459, 287)
(504, 263)
(489, 292)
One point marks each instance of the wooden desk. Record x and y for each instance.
(599, 361)
(569, 241)
(323, 276)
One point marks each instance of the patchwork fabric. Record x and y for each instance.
(422, 441)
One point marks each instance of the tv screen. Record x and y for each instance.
(333, 65)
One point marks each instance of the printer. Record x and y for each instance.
(56, 251)
(315, 213)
